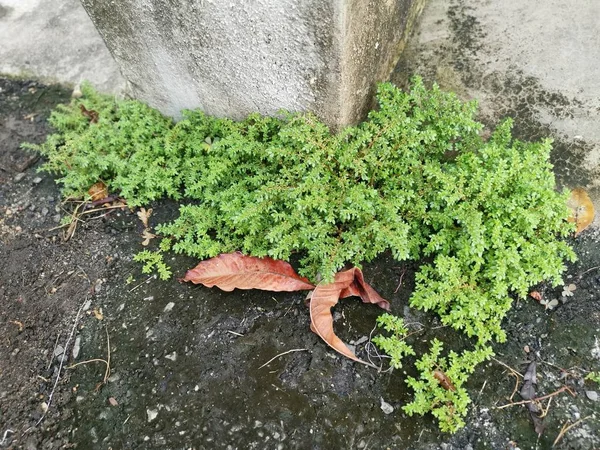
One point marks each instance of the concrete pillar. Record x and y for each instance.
(234, 57)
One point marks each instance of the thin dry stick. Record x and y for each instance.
(72, 366)
(145, 281)
(589, 270)
(516, 388)
(53, 350)
(400, 282)
(565, 428)
(544, 397)
(281, 354)
(62, 361)
(545, 411)
(508, 367)
(105, 361)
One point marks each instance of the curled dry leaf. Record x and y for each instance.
(536, 295)
(98, 314)
(147, 237)
(582, 209)
(98, 191)
(144, 214)
(90, 114)
(325, 296)
(231, 271)
(444, 380)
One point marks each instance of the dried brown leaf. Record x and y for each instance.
(98, 191)
(444, 380)
(147, 237)
(231, 271)
(90, 114)
(582, 209)
(325, 296)
(98, 314)
(144, 214)
(536, 295)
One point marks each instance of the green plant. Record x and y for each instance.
(439, 388)
(394, 345)
(153, 261)
(593, 376)
(416, 179)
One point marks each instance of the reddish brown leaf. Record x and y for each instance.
(536, 295)
(325, 296)
(360, 288)
(444, 380)
(231, 271)
(90, 114)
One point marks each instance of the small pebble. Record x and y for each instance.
(152, 413)
(172, 356)
(592, 395)
(56, 218)
(37, 180)
(19, 177)
(169, 307)
(76, 347)
(59, 350)
(45, 211)
(386, 407)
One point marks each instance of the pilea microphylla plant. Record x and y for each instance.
(416, 179)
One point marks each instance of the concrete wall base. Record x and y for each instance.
(234, 58)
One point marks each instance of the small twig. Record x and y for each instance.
(53, 350)
(72, 366)
(281, 354)
(545, 411)
(5, 435)
(145, 281)
(516, 388)
(234, 333)
(105, 361)
(107, 372)
(481, 390)
(62, 361)
(508, 367)
(400, 282)
(589, 270)
(533, 400)
(566, 428)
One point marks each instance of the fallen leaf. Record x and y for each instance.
(144, 214)
(528, 393)
(90, 114)
(231, 271)
(325, 296)
(582, 209)
(529, 382)
(568, 290)
(536, 295)
(147, 237)
(360, 288)
(98, 191)
(549, 304)
(444, 380)
(98, 314)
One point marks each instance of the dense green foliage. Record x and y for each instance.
(416, 179)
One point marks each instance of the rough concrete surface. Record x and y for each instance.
(231, 59)
(55, 41)
(535, 61)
